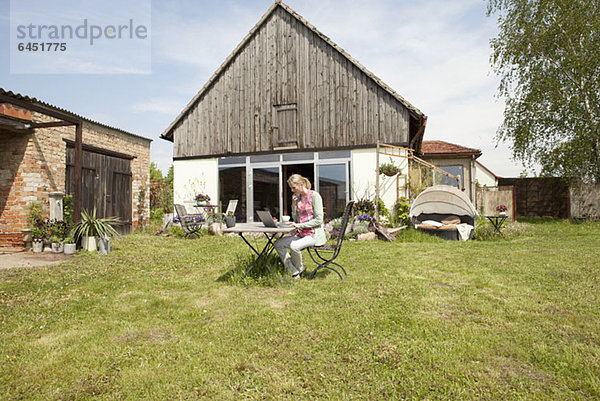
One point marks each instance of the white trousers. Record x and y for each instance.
(293, 260)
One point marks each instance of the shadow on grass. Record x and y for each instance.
(259, 275)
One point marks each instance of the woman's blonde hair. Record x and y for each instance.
(298, 180)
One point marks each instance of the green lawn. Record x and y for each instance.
(159, 318)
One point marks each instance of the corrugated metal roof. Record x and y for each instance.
(38, 102)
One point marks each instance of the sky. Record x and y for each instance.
(434, 53)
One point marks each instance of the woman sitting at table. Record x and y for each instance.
(307, 212)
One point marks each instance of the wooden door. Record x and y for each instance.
(106, 185)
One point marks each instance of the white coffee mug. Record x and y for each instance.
(285, 219)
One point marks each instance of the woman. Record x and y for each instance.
(307, 212)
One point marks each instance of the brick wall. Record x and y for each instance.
(33, 165)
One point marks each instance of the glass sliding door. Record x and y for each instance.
(232, 185)
(265, 190)
(333, 182)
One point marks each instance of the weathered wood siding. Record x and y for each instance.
(288, 86)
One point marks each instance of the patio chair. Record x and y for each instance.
(231, 207)
(326, 254)
(190, 223)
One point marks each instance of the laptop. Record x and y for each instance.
(267, 219)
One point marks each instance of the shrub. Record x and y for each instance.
(401, 211)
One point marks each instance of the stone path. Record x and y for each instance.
(10, 258)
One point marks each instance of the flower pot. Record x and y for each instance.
(38, 245)
(229, 221)
(201, 203)
(27, 238)
(502, 214)
(57, 247)
(89, 244)
(69, 249)
(104, 246)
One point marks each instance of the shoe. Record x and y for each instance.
(296, 276)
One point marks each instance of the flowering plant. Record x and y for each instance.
(501, 208)
(202, 198)
(365, 217)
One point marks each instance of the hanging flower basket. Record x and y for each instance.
(389, 169)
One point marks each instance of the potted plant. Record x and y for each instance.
(38, 232)
(202, 199)
(389, 169)
(36, 224)
(92, 228)
(229, 220)
(69, 246)
(501, 209)
(58, 232)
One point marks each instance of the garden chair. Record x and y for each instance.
(326, 254)
(190, 223)
(231, 207)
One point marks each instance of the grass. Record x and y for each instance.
(420, 318)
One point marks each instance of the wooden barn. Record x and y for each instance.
(288, 100)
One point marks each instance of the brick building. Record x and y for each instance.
(38, 162)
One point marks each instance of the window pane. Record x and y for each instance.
(266, 190)
(454, 170)
(332, 187)
(232, 185)
(232, 160)
(334, 155)
(263, 159)
(298, 156)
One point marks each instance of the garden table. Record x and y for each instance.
(271, 233)
(497, 222)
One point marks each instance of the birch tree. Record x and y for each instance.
(547, 54)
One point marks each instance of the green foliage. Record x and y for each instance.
(389, 169)
(68, 210)
(547, 54)
(364, 206)
(161, 192)
(91, 225)
(401, 211)
(155, 173)
(35, 214)
(383, 211)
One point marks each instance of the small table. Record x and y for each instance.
(207, 210)
(270, 232)
(497, 221)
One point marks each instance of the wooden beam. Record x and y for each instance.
(40, 109)
(52, 124)
(78, 167)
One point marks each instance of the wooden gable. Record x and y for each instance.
(287, 86)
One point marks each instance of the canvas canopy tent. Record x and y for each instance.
(441, 209)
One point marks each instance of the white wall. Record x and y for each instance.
(191, 177)
(484, 177)
(364, 164)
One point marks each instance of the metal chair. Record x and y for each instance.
(190, 223)
(327, 253)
